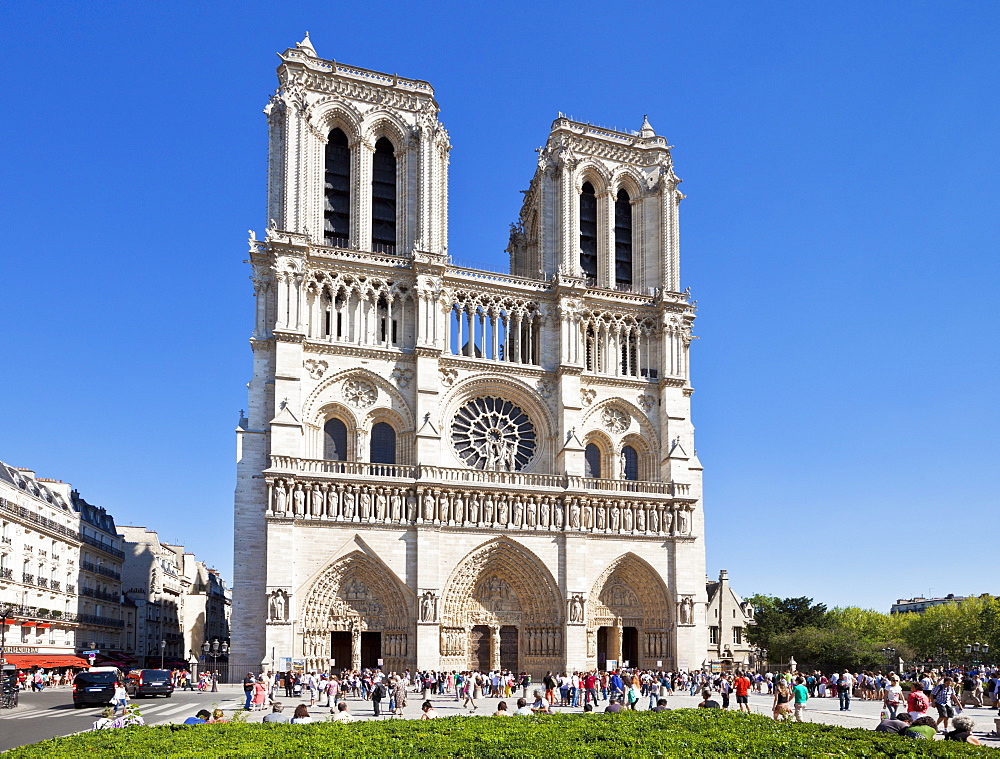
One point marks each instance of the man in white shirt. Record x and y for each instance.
(844, 687)
(523, 709)
(342, 714)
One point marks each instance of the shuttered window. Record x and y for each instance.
(384, 198)
(588, 232)
(623, 241)
(337, 207)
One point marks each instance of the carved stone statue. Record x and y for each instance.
(411, 508)
(615, 518)
(602, 517)
(654, 520)
(474, 509)
(349, 501)
(299, 500)
(428, 506)
(640, 518)
(574, 514)
(686, 611)
(365, 503)
(395, 506)
(316, 501)
(504, 512)
(280, 497)
(458, 509)
(332, 501)
(682, 521)
(544, 510)
(428, 607)
(576, 608)
(443, 507)
(532, 514)
(518, 512)
(489, 510)
(279, 606)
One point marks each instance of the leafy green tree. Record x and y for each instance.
(775, 616)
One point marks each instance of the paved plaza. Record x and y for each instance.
(50, 714)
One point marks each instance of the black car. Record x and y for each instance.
(95, 687)
(149, 682)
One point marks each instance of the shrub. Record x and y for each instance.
(686, 732)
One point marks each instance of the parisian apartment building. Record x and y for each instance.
(73, 582)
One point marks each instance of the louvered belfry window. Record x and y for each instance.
(384, 198)
(623, 241)
(588, 232)
(337, 206)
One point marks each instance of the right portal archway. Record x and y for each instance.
(630, 616)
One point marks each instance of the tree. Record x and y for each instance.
(775, 616)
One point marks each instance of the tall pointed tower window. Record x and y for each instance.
(623, 241)
(630, 463)
(592, 459)
(588, 232)
(384, 198)
(337, 206)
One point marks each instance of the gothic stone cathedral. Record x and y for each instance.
(448, 468)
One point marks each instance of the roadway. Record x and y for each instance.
(50, 713)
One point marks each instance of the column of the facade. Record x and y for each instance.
(363, 153)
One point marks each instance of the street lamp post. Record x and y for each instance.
(889, 653)
(6, 611)
(215, 650)
(975, 648)
(163, 652)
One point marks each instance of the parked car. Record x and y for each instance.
(96, 686)
(149, 682)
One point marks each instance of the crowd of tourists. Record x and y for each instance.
(907, 700)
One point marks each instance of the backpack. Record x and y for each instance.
(380, 692)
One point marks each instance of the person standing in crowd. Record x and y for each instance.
(742, 688)
(248, 683)
(844, 687)
(945, 701)
(800, 695)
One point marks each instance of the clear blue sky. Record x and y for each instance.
(840, 236)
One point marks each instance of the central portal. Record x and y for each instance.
(508, 648)
(371, 649)
(479, 648)
(340, 649)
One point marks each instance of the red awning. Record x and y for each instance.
(25, 661)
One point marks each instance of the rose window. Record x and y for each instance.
(493, 433)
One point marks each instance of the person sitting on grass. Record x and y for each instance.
(301, 715)
(963, 730)
(428, 711)
(895, 725)
(613, 706)
(925, 727)
(501, 710)
(342, 715)
(541, 705)
(218, 716)
(276, 713)
(522, 708)
(707, 702)
(200, 718)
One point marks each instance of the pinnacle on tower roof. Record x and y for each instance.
(307, 45)
(645, 131)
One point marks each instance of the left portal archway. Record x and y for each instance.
(356, 612)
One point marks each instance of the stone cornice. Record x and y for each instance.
(350, 349)
(488, 366)
(281, 336)
(590, 380)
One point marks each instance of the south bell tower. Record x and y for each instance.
(444, 467)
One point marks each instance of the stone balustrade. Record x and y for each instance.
(444, 474)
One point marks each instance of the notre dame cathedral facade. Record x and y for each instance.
(443, 467)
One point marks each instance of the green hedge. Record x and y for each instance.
(685, 732)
